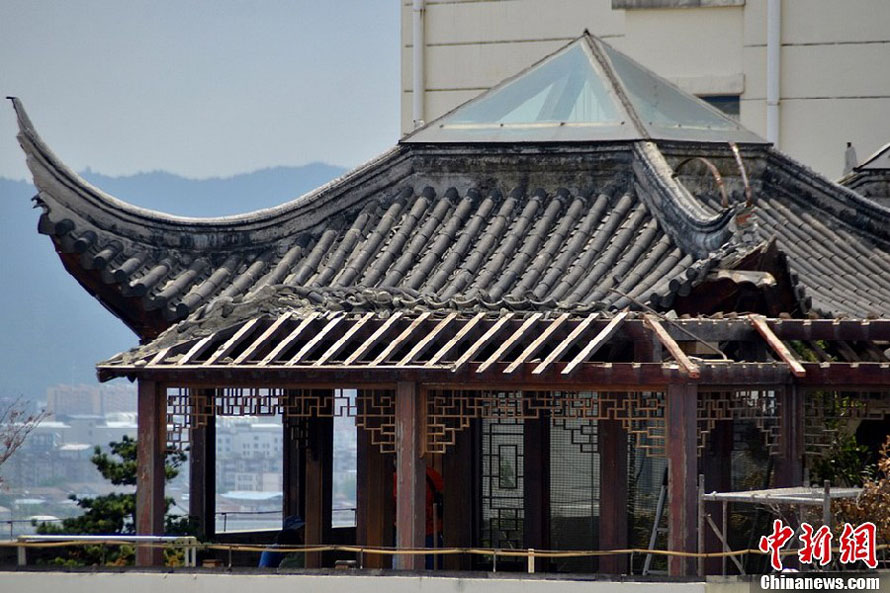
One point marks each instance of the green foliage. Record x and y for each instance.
(114, 513)
(846, 464)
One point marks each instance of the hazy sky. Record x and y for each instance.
(201, 88)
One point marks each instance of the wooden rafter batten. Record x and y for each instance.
(308, 346)
(233, 342)
(567, 343)
(537, 343)
(686, 366)
(391, 347)
(337, 346)
(468, 326)
(257, 344)
(196, 350)
(597, 342)
(510, 342)
(373, 339)
(157, 358)
(481, 342)
(289, 340)
(427, 340)
(777, 346)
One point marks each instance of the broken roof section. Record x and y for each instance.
(585, 92)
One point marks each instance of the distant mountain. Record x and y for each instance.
(51, 330)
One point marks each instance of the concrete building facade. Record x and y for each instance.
(833, 80)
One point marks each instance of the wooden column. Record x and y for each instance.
(536, 476)
(151, 436)
(293, 467)
(373, 499)
(682, 438)
(613, 494)
(319, 477)
(202, 479)
(411, 475)
(789, 464)
(717, 468)
(459, 477)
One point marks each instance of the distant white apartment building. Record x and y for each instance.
(822, 67)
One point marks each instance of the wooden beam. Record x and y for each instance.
(567, 343)
(337, 346)
(536, 482)
(151, 429)
(681, 445)
(233, 342)
(717, 469)
(410, 475)
(290, 339)
(293, 463)
(596, 343)
(509, 342)
(373, 339)
(613, 494)
(537, 343)
(258, 343)
(373, 491)
(459, 475)
(406, 333)
(777, 345)
(481, 342)
(202, 478)
(686, 366)
(427, 340)
(319, 480)
(308, 346)
(468, 326)
(789, 462)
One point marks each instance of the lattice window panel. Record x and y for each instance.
(503, 483)
(761, 407)
(374, 410)
(640, 413)
(827, 413)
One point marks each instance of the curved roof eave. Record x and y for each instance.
(61, 185)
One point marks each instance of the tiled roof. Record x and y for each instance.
(837, 242)
(417, 229)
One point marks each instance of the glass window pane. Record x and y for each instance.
(565, 88)
(660, 104)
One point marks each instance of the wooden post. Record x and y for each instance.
(613, 495)
(789, 464)
(682, 438)
(459, 513)
(151, 431)
(536, 476)
(293, 467)
(319, 477)
(373, 496)
(411, 475)
(202, 478)
(717, 469)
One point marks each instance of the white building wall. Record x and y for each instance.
(835, 81)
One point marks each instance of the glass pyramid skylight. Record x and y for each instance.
(587, 91)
